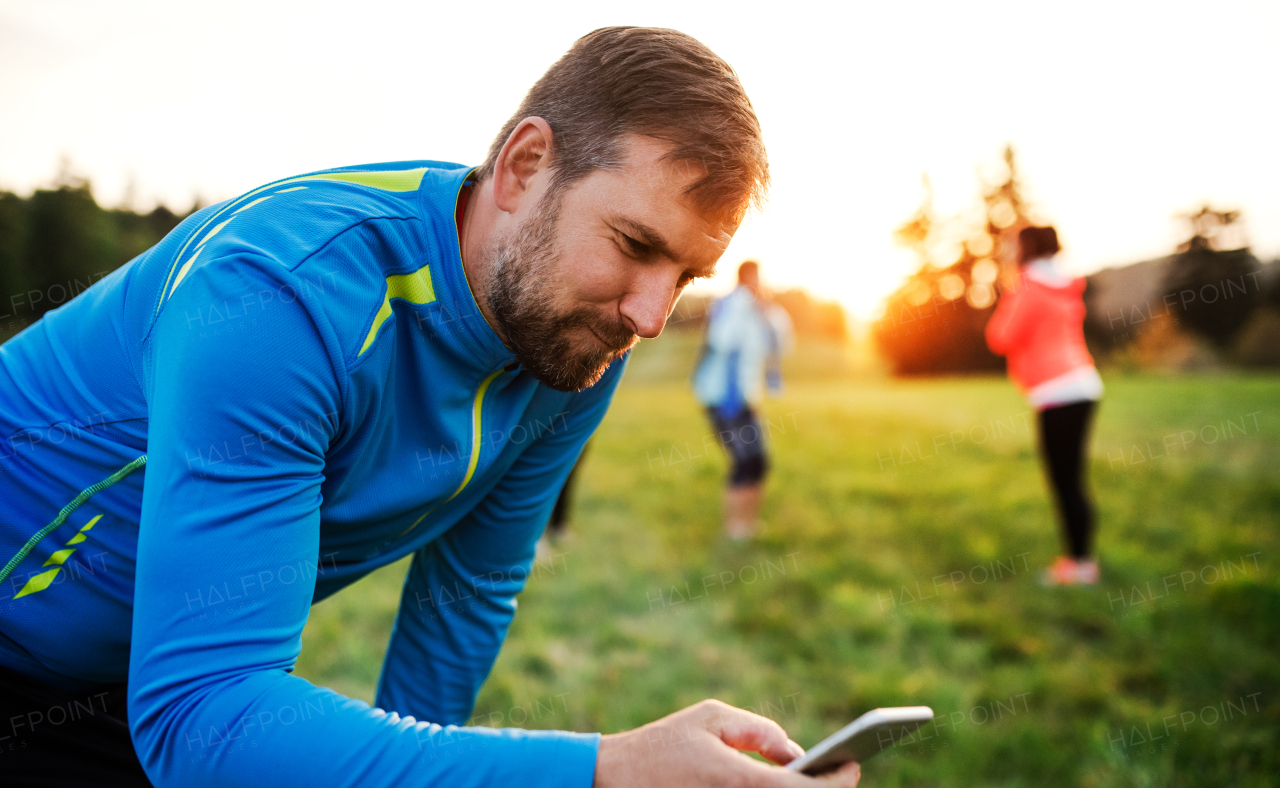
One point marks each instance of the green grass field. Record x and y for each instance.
(906, 522)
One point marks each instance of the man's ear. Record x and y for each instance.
(526, 153)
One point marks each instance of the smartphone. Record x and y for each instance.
(873, 732)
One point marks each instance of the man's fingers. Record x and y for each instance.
(743, 730)
(846, 776)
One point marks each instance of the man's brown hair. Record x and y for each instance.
(657, 83)
(1037, 242)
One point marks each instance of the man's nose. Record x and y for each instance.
(646, 308)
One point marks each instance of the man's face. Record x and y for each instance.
(601, 263)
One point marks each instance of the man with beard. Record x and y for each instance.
(321, 377)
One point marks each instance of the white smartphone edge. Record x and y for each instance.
(890, 715)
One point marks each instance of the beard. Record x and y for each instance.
(527, 274)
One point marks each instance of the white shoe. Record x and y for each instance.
(1087, 571)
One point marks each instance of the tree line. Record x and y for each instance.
(57, 242)
(1212, 293)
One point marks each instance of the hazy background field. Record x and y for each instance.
(905, 524)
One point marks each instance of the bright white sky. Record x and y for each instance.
(1123, 114)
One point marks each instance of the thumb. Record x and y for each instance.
(743, 730)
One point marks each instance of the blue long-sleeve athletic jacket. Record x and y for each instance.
(292, 389)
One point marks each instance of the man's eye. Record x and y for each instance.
(636, 248)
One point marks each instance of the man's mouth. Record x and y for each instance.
(608, 345)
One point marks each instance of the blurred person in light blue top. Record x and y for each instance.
(746, 337)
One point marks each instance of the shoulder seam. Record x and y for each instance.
(349, 363)
(346, 230)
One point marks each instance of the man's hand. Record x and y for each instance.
(697, 747)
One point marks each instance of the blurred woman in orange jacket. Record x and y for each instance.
(1039, 327)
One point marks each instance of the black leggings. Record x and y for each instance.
(1064, 431)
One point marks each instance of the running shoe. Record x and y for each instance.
(1067, 571)
(1062, 572)
(1087, 572)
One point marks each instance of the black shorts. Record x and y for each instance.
(53, 738)
(743, 441)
